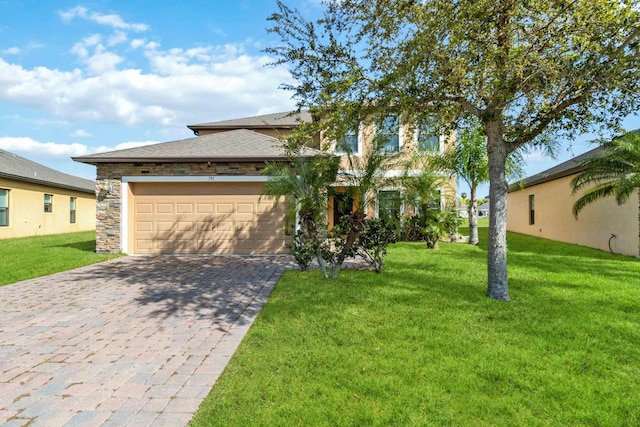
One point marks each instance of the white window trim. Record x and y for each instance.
(334, 144)
(416, 135)
(400, 134)
(124, 194)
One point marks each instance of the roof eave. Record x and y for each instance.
(94, 160)
(47, 183)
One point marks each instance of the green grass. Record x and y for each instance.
(30, 257)
(420, 344)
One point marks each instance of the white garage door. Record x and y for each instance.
(206, 217)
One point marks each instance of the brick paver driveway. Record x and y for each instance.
(133, 341)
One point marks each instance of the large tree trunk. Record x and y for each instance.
(497, 246)
(473, 216)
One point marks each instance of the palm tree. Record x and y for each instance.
(305, 184)
(614, 171)
(468, 160)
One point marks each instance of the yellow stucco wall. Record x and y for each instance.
(593, 228)
(27, 216)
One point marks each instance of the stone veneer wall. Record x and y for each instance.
(109, 203)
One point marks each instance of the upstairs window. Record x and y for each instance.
(72, 210)
(389, 134)
(48, 203)
(349, 143)
(427, 139)
(4, 208)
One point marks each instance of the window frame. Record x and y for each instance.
(73, 204)
(4, 210)
(417, 135)
(49, 204)
(398, 190)
(357, 131)
(378, 133)
(532, 209)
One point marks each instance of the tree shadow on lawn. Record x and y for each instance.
(85, 246)
(225, 289)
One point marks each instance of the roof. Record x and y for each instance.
(15, 167)
(240, 145)
(567, 168)
(285, 120)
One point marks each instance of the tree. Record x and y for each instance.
(521, 68)
(304, 183)
(468, 160)
(614, 171)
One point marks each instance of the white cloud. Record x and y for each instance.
(111, 20)
(30, 147)
(184, 86)
(81, 133)
(117, 38)
(12, 50)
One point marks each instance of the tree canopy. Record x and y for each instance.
(521, 68)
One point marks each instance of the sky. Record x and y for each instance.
(79, 78)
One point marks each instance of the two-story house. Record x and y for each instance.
(204, 194)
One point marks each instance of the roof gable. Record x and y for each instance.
(15, 167)
(240, 145)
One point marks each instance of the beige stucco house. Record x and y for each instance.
(204, 194)
(36, 200)
(542, 207)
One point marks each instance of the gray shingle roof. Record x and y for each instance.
(270, 121)
(15, 167)
(240, 145)
(567, 168)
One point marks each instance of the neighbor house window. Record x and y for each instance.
(389, 134)
(389, 204)
(48, 202)
(532, 209)
(427, 138)
(72, 210)
(349, 143)
(4, 208)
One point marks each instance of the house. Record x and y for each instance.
(204, 194)
(542, 206)
(483, 210)
(36, 200)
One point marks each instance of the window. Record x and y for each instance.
(427, 139)
(72, 210)
(532, 209)
(389, 131)
(4, 208)
(48, 202)
(389, 204)
(349, 143)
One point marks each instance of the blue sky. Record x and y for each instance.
(82, 77)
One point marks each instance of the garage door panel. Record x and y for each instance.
(184, 208)
(164, 208)
(205, 218)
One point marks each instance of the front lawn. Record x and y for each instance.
(420, 344)
(29, 257)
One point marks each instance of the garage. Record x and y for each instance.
(204, 218)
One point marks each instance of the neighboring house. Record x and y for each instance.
(203, 194)
(36, 200)
(542, 206)
(483, 210)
